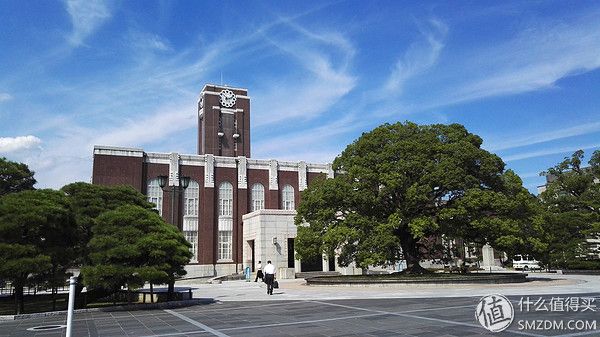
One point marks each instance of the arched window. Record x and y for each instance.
(257, 197)
(155, 194)
(225, 239)
(190, 217)
(287, 198)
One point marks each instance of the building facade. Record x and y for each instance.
(207, 194)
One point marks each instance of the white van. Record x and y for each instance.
(525, 262)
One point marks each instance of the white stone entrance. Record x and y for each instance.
(269, 235)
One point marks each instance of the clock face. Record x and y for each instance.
(227, 98)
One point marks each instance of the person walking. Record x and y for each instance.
(259, 273)
(269, 277)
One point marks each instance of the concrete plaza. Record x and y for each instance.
(244, 309)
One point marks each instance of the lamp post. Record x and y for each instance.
(71, 303)
(184, 182)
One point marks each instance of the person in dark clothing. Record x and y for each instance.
(259, 273)
(269, 277)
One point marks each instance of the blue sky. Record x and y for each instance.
(523, 75)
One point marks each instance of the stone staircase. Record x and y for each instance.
(310, 274)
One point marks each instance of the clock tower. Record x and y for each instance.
(224, 121)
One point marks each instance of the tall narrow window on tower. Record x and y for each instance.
(225, 238)
(190, 217)
(155, 194)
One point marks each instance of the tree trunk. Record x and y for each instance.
(411, 254)
(151, 293)
(19, 299)
(413, 266)
(171, 289)
(54, 291)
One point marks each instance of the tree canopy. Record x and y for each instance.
(14, 177)
(401, 185)
(572, 199)
(132, 245)
(37, 233)
(90, 201)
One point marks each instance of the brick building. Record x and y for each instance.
(207, 194)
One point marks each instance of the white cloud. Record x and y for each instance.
(68, 156)
(420, 56)
(86, 17)
(324, 77)
(146, 41)
(163, 123)
(547, 152)
(13, 144)
(547, 136)
(534, 59)
(309, 144)
(5, 97)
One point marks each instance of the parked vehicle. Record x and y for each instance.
(525, 262)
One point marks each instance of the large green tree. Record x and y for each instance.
(37, 233)
(89, 201)
(14, 177)
(401, 185)
(572, 202)
(132, 245)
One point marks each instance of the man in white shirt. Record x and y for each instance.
(269, 277)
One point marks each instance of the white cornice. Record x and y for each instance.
(214, 93)
(222, 87)
(317, 168)
(118, 151)
(269, 212)
(193, 160)
(288, 166)
(257, 164)
(158, 158)
(200, 160)
(229, 162)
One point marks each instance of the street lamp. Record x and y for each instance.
(162, 181)
(184, 182)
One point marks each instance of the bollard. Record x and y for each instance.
(72, 282)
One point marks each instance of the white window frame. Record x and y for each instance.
(287, 198)
(191, 197)
(225, 223)
(154, 193)
(257, 197)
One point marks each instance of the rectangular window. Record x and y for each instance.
(225, 207)
(258, 204)
(192, 237)
(225, 245)
(190, 231)
(191, 206)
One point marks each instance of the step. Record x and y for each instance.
(310, 274)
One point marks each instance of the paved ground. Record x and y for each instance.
(296, 289)
(298, 310)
